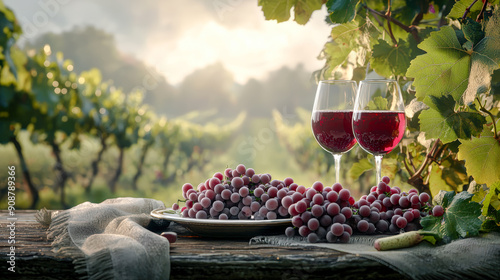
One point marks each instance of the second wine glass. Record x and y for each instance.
(379, 120)
(331, 118)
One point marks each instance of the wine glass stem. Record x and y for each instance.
(378, 165)
(337, 167)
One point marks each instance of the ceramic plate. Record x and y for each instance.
(225, 228)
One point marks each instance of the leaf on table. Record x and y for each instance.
(460, 219)
(304, 8)
(276, 9)
(443, 122)
(444, 69)
(390, 60)
(342, 11)
(481, 155)
(459, 8)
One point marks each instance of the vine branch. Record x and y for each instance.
(387, 16)
(467, 10)
(412, 30)
(429, 158)
(480, 16)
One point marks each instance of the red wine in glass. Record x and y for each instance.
(331, 118)
(378, 132)
(378, 119)
(333, 130)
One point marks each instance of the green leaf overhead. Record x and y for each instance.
(390, 60)
(482, 158)
(280, 9)
(356, 35)
(485, 57)
(304, 9)
(277, 9)
(460, 220)
(459, 7)
(342, 11)
(443, 122)
(444, 69)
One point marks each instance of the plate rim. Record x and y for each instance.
(159, 213)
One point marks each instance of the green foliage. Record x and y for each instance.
(446, 58)
(460, 219)
(443, 122)
(342, 11)
(481, 155)
(280, 10)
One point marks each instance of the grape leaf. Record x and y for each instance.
(443, 122)
(335, 55)
(485, 59)
(481, 155)
(304, 8)
(444, 69)
(492, 198)
(390, 60)
(459, 8)
(473, 31)
(342, 11)
(276, 9)
(460, 219)
(360, 167)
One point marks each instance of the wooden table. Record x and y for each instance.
(194, 258)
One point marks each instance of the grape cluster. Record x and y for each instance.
(317, 213)
(320, 213)
(388, 209)
(239, 193)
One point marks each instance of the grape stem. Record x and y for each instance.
(467, 10)
(410, 29)
(480, 16)
(388, 15)
(416, 179)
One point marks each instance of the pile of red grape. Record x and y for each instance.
(242, 194)
(318, 213)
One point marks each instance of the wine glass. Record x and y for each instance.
(332, 118)
(379, 120)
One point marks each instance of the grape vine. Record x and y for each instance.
(446, 55)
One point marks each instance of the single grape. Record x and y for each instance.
(241, 169)
(403, 202)
(264, 178)
(363, 226)
(318, 186)
(170, 236)
(317, 211)
(401, 222)
(408, 215)
(437, 211)
(337, 187)
(175, 206)
(226, 194)
(223, 216)
(364, 211)
(332, 196)
(330, 237)
(272, 204)
(340, 218)
(289, 231)
(344, 194)
(347, 212)
(313, 224)
(333, 209)
(424, 197)
(312, 237)
(325, 220)
(304, 231)
(244, 191)
(201, 215)
(205, 202)
(395, 199)
(382, 225)
(374, 217)
(234, 210)
(306, 216)
(286, 201)
(235, 197)
(301, 206)
(237, 182)
(337, 229)
(218, 206)
(297, 221)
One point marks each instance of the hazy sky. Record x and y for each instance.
(177, 37)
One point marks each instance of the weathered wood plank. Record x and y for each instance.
(195, 258)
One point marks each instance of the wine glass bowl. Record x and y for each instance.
(331, 118)
(379, 120)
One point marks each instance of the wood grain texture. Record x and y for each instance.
(194, 258)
